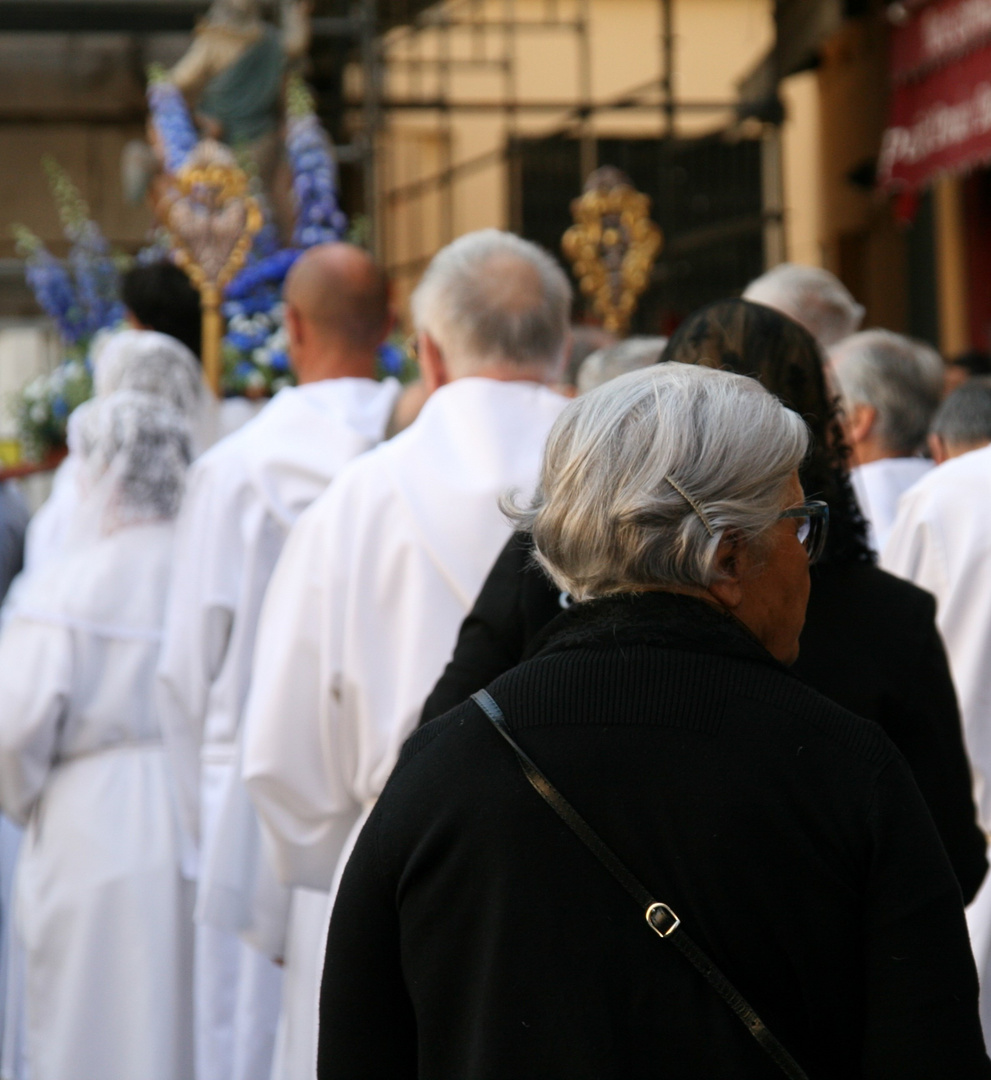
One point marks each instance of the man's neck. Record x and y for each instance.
(337, 366)
(870, 450)
(533, 373)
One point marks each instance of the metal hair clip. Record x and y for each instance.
(693, 504)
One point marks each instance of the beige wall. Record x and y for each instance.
(801, 168)
(78, 98)
(717, 43)
(859, 237)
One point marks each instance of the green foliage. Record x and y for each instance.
(26, 242)
(299, 98)
(360, 232)
(74, 213)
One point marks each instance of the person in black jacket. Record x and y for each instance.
(474, 935)
(870, 641)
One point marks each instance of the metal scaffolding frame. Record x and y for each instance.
(487, 34)
(487, 40)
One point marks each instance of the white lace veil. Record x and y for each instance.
(154, 364)
(134, 450)
(131, 452)
(82, 429)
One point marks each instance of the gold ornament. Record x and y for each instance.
(212, 220)
(612, 246)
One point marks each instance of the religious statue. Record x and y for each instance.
(233, 75)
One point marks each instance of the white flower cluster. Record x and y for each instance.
(44, 405)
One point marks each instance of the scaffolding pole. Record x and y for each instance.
(367, 11)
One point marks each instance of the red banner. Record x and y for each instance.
(936, 33)
(940, 122)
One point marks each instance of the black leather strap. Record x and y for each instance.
(661, 919)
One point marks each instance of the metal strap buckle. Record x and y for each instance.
(662, 920)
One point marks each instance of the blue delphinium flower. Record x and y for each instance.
(53, 288)
(97, 281)
(319, 219)
(391, 358)
(170, 116)
(270, 271)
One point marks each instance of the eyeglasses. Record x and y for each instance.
(813, 525)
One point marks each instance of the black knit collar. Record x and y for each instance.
(669, 620)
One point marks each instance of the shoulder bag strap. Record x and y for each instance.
(660, 918)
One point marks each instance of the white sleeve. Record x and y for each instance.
(294, 767)
(45, 539)
(199, 616)
(35, 679)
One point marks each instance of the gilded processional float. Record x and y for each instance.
(236, 214)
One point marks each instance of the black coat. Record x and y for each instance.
(475, 937)
(870, 644)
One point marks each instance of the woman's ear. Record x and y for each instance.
(732, 564)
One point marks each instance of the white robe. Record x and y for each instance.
(47, 527)
(879, 485)
(242, 498)
(362, 615)
(102, 909)
(941, 541)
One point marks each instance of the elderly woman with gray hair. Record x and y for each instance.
(487, 926)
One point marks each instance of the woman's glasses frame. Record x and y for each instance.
(813, 518)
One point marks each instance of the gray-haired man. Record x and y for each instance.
(963, 422)
(367, 598)
(890, 386)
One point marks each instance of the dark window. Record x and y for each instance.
(706, 197)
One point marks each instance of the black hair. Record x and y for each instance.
(161, 297)
(751, 339)
(976, 361)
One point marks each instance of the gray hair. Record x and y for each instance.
(964, 418)
(492, 297)
(813, 297)
(899, 377)
(642, 477)
(614, 360)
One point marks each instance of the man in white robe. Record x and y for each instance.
(243, 497)
(890, 386)
(813, 297)
(377, 576)
(963, 422)
(941, 541)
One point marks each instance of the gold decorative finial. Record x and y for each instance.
(212, 220)
(612, 245)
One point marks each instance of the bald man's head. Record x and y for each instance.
(339, 291)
